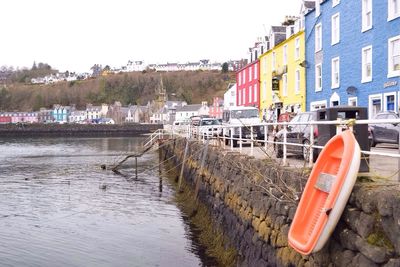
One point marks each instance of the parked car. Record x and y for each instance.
(285, 117)
(385, 132)
(210, 127)
(298, 134)
(236, 118)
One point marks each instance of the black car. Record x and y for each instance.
(384, 132)
(298, 134)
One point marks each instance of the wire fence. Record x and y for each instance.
(297, 144)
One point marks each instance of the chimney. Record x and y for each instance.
(317, 8)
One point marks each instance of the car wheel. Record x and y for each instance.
(372, 142)
(278, 150)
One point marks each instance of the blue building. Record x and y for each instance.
(61, 113)
(353, 54)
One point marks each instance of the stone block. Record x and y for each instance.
(361, 260)
(256, 223)
(373, 253)
(392, 263)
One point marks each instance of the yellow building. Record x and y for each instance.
(282, 78)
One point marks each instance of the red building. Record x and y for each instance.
(248, 85)
(217, 108)
(5, 117)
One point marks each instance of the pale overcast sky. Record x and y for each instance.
(75, 34)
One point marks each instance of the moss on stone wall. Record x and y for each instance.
(209, 234)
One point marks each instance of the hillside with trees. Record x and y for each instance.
(128, 88)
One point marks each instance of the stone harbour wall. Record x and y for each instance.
(254, 201)
(76, 130)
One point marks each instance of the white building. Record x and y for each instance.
(77, 116)
(184, 113)
(93, 112)
(230, 96)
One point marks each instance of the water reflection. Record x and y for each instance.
(59, 208)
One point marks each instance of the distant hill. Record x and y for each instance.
(128, 88)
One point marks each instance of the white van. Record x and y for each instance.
(241, 117)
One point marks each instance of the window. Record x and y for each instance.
(240, 78)
(335, 29)
(243, 97)
(317, 105)
(393, 9)
(389, 101)
(335, 2)
(250, 94)
(239, 99)
(273, 60)
(255, 72)
(244, 76)
(352, 101)
(265, 89)
(335, 83)
(375, 105)
(250, 73)
(318, 77)
(366, 15)
(285, 54)
(366, 64)
(284, 84)
(297, 48)
(255, 94)
(394, 56)
(297, 82)
(318, 37)
(265, 65)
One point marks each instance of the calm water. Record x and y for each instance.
(59, 208)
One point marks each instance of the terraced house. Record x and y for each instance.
(353, 54)
(282, 74)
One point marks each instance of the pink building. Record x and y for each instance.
(217, 108)
(24, 117)
(248, 85)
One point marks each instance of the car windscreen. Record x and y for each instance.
(241, 114)
(210, 122)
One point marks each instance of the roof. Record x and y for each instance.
(309, 4)
(194, 107)
(279, 38)
(278, 29)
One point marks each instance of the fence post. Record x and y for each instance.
(398, 163)
(252, 140)
(183, 163)
(265, 137)
(240, 138)
(203, 159)
(284, 142)
(231, 138)
(311, 152)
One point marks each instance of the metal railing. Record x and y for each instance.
(232, 135)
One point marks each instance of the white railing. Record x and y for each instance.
(155, 136)
(226, 134)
